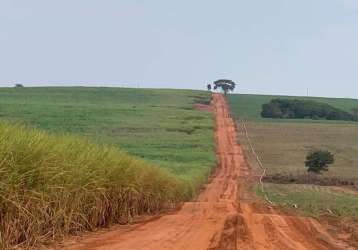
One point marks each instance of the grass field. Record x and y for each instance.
(78, 175)
(282, 145)
(314, 200)
(248, 107)
(159, 126)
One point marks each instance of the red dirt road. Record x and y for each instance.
(219, 218)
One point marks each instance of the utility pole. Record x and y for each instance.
(307, 92)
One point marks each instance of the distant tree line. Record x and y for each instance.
(300, 109)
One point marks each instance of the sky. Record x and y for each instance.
(267, 47)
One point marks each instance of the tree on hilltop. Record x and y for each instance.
(225, 85)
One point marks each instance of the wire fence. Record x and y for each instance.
(258, 161)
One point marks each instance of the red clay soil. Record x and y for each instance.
(220, 218)
(203, 107)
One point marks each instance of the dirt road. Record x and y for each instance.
(219, 218)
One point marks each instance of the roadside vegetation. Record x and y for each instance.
(283, 145)
(54, 185)
(108, 155)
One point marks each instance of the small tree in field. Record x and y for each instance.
(225, 85)
(209, 87)
(19, 85)
(318, 161)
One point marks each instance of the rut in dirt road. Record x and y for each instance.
(217, 219)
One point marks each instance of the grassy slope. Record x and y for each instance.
(52, 185)
(157, 125)
(283, 145)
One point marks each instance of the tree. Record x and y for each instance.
(319, 160)
(208, 86)
(271, 110)
(302, 109)
(225, 84)
(19, 85)
(355, 113)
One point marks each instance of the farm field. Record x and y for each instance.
(248, 107)
(282, 145)
(74, 159)
(314, 200)
(160, 126)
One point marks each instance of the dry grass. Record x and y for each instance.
(54, 185)
(283, 146)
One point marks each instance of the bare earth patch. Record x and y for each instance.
(203, 107)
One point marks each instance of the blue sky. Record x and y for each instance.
(272, 47)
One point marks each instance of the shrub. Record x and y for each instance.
(319, 160)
